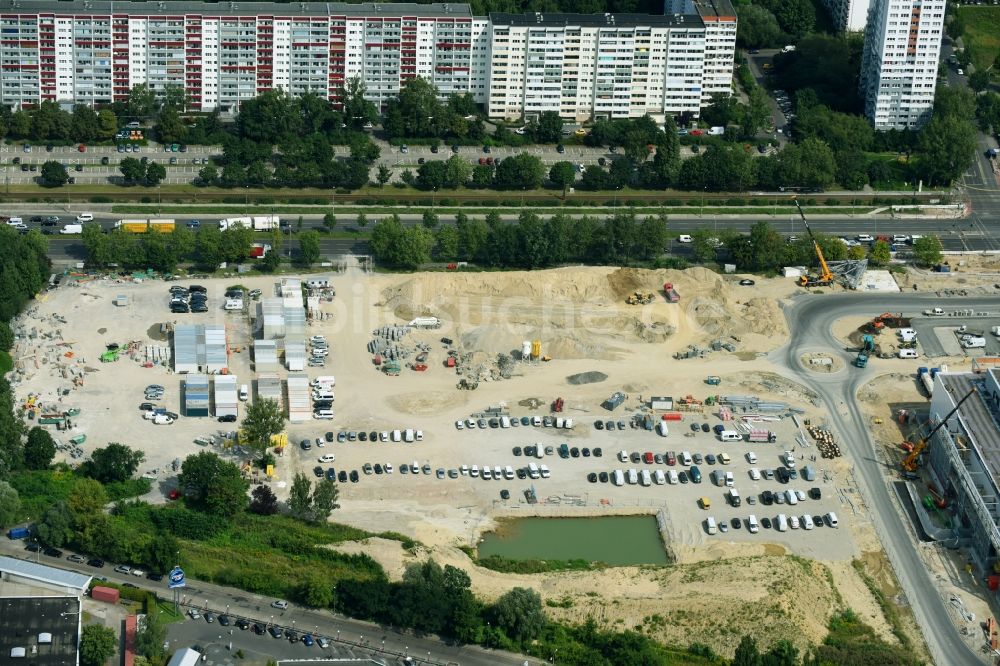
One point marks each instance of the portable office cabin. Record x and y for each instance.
(271, 318)
(196, 395)
(226, 396)
(269, 388)
(661, 402)
(295, 355)
(265, 355)
(299, 402)
(216, 352)
(614, 402)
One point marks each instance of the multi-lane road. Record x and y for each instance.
(976, 233)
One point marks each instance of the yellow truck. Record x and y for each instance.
(164, 226)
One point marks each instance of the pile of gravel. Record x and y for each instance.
(586, 378)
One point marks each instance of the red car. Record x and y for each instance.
(82, 148)
(671, 458)
(696, 132)
(648, 457)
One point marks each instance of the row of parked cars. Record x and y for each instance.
(514, 422)
(781, 523)
(409, 435)
(260, 629)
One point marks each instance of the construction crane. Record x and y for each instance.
(910, 461)
(825, 279)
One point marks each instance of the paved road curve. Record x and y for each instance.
(810, 320)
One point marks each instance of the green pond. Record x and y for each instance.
(615, 540)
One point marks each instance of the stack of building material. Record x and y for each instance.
(269, 387)
(271, 318)
(226, 400)
(295, 354)
(265, 355)
(299, 402)
(196, 395)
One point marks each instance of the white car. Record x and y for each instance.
(801, 495)
(320, 351)
(755, 474)
(162, 419)
(807, 522)
(623, 455)
(388, 468)
(327, 458)
(460, 425)
(789, 459)
(85, 217)
(470, 424)
(900, 238)
(318, 339)
(234, 305)
(793, 522)
(751, 457)
(685, 238)
(908, 353)
(865, 238)
(283, 605)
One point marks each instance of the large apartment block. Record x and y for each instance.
(900, 60)
(848, 15)
(582, 66)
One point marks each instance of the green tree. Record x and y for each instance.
(324, 500)
(155, 173)
(113, 464)
(446, 240)
(880, 254)
(208, 247)
(141, 101)
(55, 529)
(132, 170)
(979, 80)
(299, 497)
(263, 502)
(471, 236)
(927, 250)
(430, 220)
(947, 145)
(384, 175)
(169, 126)
(482, 176)
(149, 641)
(415, 111)
(457, 172)
(432, 175)
(549, 128)
(357, 108)
(107, 124)
(309, 247)
(329, 220)
(562, 174)
(213, 485)
(263, 419)
(722, 109)
(208, 175)
(747, 653)
(10, 504)
(651, 238)
(39, 450)
(855, 252)
(757, 27)
(53, 174)
(768, 247)
(97, 644)
(361, 221)
(163, 553)
(520, 172)
(518, 613)
(84, 126)
(703, 245)
(316, 591)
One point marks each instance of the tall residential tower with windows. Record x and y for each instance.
(900, 62)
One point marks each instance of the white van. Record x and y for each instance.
(908, 353)
(782, 523)
(327, 458)
(544, 471)
(807, 522)
(791, 498)
(710, 526)
(686, 458)
(633, 477)
(673, 477)
(730, 481)
(323, 414)
(752, 525)
(325, 380)
(831, 519)
(85, 217)
(504, 421)
(323, 394)
(244, 392)
(474, 472)
(619, 478)
(533, 470)
(646, 479)
(408, 435)
(397, 436)
(907, 334)
(560, 422)
(568, 424)
(659, 477)
(730, 436)
(733, 497)
(972, 343)
(662, 429)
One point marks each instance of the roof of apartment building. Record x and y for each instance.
(715, 10)
(553, 19)
(239, 8)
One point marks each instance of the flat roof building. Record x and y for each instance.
(61, 581)
(964, 459)
(42, 631)
(196, 397)
(200, 348)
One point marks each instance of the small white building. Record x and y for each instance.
(269, 388)
(185, 657)
(661, 402)
(265, 355)
(299, 402)
(295, 354)
(226, 399)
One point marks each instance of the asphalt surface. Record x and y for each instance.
(348, 635)
(810, 319)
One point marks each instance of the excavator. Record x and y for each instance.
(910, 461)
(825, 279)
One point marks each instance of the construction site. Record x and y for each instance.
(651, 352)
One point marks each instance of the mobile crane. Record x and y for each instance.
(910, 461)
(825, 279)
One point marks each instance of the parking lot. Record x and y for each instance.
(940, 336)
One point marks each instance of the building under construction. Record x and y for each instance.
(963, 461)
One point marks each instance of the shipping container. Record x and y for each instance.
(106, 594)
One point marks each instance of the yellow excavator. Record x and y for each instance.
(910, 461)
(825, 279)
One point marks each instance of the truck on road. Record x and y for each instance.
(18, 533)
(257, 223)
(141, 226)
(934, 312)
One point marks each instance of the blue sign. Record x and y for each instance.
(176, 578)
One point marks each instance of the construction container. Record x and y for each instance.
(673, 416)
(226, 401)
(107, 594)
(196, 395)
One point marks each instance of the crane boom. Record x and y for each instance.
(826, 277)
(910, 461)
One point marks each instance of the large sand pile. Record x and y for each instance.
(580, 312)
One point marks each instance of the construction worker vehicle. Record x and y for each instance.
(825, 278)
(640, 298)
(867, 348)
